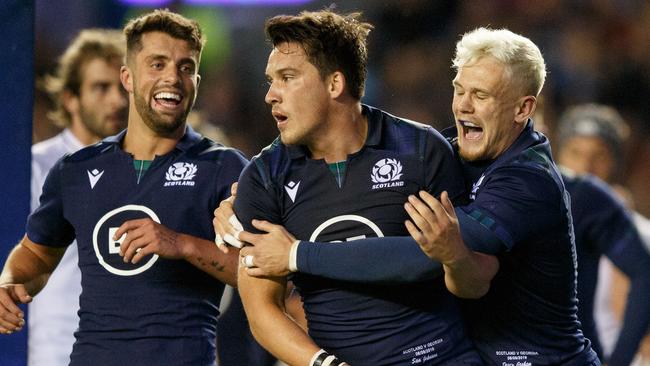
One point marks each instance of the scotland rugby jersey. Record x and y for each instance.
(417, 324)
(604, 227)
(519, 211)
(159, 311)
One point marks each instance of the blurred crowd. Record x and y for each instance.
(596, 50)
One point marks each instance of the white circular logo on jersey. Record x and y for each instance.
(107, 250)
(339, 219)
(386, 170)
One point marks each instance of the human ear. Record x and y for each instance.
(126, 78)
(525, 108)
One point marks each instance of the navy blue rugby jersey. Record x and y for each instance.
(519, 211)
(603, 226)
(159, 311)
(413, 324)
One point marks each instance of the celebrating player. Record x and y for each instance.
(139, 205)
(341, 171)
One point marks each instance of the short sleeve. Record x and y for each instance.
(256, 197)
(513, 204)
(47, 224)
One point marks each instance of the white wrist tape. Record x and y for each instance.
(293, 256)
(315, 357)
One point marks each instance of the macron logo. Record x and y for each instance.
(292, 189)
(94, 177)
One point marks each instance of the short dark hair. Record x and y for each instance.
(163, 20)
(88, 45)
(332, 42)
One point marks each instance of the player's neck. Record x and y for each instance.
(145, 144)
(345, 134)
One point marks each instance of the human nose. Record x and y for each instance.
(463, 103)
(172, 75)
(272, 95)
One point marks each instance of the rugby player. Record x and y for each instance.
(139, 205)
(341, 171)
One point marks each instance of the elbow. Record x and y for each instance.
(473, 293)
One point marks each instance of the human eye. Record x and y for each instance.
(156, 65)
(481, 95)
(101, 87)
(187, 69)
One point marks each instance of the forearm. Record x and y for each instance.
(204, 255)
(389, 260)
(263, 300)
(470, 276)
(30, 265)
(635, 324)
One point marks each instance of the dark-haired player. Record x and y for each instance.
(139, 205)
(340, 171)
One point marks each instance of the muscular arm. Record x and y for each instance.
(204, 255)
(145, 237)
(25, 273)
(263, 300)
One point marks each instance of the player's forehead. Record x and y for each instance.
(286, 55)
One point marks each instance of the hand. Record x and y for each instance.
(226, 225)
(435, 227)
(269, 251)
(144, 237)
(12, 319)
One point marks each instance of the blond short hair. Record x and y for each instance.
(521, 56)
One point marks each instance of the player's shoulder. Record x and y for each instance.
(272, 161)
(91, 152)
(205, 149)
(401, 134)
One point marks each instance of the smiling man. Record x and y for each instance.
(151, 276)
(91, 104)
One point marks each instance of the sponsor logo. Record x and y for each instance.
(107, 250)
(387, 173)
(475, 187)
(94, 177)
(292, 189)
(180, 174)
(339, 222)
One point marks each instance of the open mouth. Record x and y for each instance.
(168, 99)
(279, 117)
(471, 131)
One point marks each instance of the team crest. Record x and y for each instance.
(180, 174)
(387, 173)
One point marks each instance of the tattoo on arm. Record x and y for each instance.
(218, 266)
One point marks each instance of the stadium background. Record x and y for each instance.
(596, 51)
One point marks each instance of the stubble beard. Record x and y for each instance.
(157, 122)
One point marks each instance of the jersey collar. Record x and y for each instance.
(189, 139)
